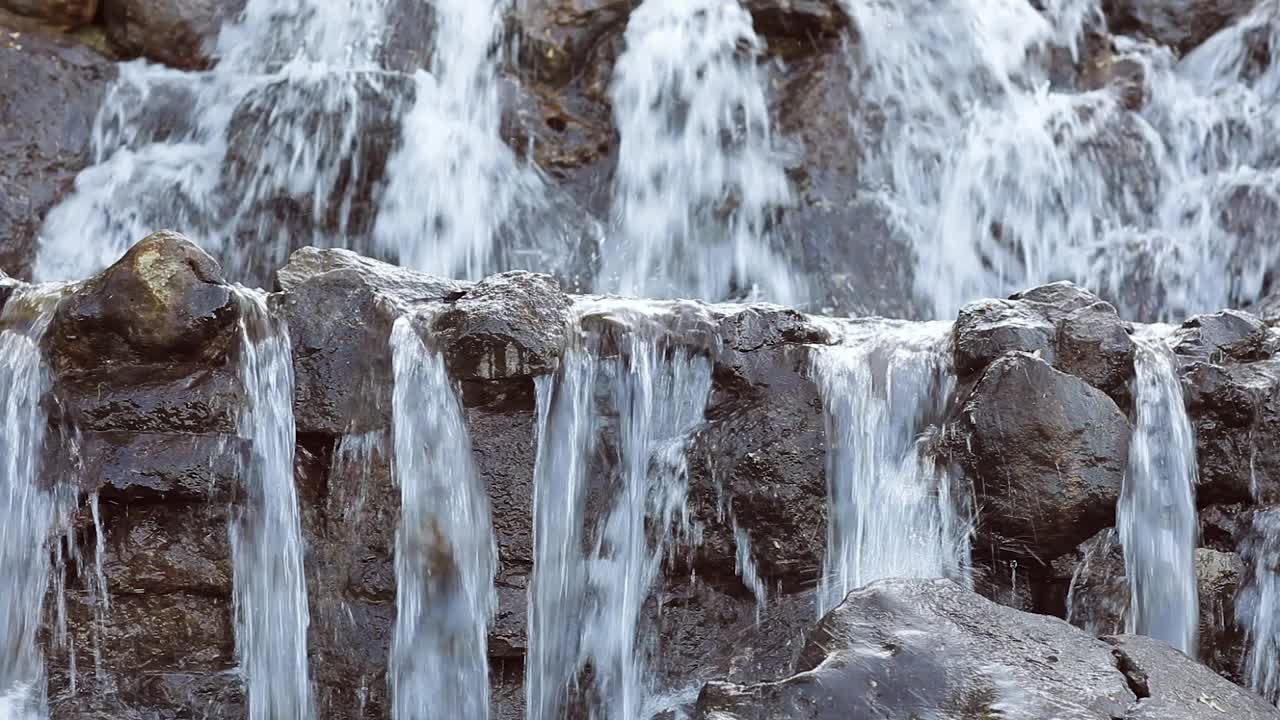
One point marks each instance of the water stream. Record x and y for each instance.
(270, 588)
(1156, 515)
(445, 551)
(893, 512)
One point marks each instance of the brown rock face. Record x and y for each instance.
(177, 33)
(57, 12)
(50, 89)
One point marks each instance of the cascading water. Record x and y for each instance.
(31, 505)
(270, 587)
(1156, 515)
(279, 121)
(586, 610)
(1003, 181)
(1258, 605)
(445, 551)
(453, 183)
(697, 174)
(892, 510)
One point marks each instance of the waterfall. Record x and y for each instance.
(452, 182)
(697, 174)
(1156, 515)
(1258, 605)
(31, 505)
(593, 604)
(892, 512)
(445, 554)
(1004, 180)
(271, 614)
(282, 114)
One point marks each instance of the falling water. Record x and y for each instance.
(1005, 180)
(1156, 515)
(1258, 605)
(893, 513)
(445, 551)
(265, 529)
(587, 610)
(281, 120)
(30, 506)
(452, 183)
(697, 174)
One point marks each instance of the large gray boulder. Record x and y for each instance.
(902, 649)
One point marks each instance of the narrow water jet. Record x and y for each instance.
(697, 171)
(1156, 515)
(270, 589)
(445, 556)
(1258, 605)
(892, 510)
(589, 592)
(32, 506)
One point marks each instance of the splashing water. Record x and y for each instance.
(587, 610)
(278, 128)
(892, 510)
(1156, 516)
(31, 508)
(266, 533)
(1004, 181)
(1258, 605)
(697, 174)
(445, 551)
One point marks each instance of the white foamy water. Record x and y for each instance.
(270, 589)
(1156, 515)
(892, 512)
(1258, 605)
(697, 174)
(1004, 182)
(586, 608)
(228, 155)
(445, 552)
(32, 504)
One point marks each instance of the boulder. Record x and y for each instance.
(164, 302)
(1223, 336)
(1179, 24)
(50, 91)
(177, 33)
(507, 326)
(1235, 412)
(1046, 454)
(987, 329)
(339, 308)
(929, 648)
(66, 13)
(1094, 345)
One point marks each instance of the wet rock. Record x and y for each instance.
(1218, 526)
(760, 460)
(987, 329)
(1046, 454)
(1056, 301)
(1170, 686)
(7, 286)
(1094, 345)
(177, 33)
(166, 467)
(68, 13)
(1222, 640)
(339, 307)
(164, 302)
(170, 547)
(1099, 594)
(1125, 75)
(1180, 24)
(50, 90)
(964, 656)
(148, 399)
(1235, 411)
(510, 325)
(1229, 334)
(801, 20)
